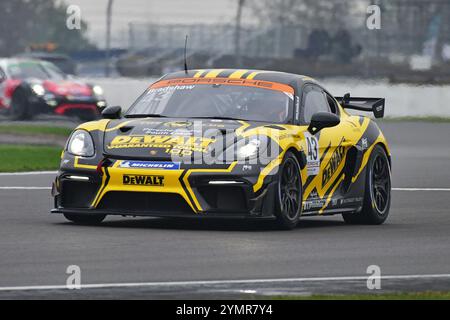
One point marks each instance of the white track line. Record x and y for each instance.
(25, 188)
(27, 173)
(223, 282)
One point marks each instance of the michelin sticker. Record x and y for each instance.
(150, 165)
(312, 155)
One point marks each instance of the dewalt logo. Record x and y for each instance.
(143, 180)
(332, 165)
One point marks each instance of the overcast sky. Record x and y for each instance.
(152, 11)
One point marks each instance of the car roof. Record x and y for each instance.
(6, 61)
(265, 75)
(42, 55)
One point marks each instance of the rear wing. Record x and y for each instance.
(375, 105)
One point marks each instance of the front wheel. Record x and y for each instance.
(377, 196)
(288, 204)
(85, 219)
(20, 107)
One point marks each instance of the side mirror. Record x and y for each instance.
(322, 120)
(112, 112)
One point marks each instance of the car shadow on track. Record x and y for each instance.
(211, 225)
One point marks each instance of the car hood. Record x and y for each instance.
(160, 138)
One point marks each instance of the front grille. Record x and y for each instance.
(224, 198)
(144, 202)
(77, 194)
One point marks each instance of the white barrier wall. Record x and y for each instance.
(401, 99)
(122, 91)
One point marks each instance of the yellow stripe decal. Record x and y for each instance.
(214, 73)
(123, 124)
(252, 75)
(199, 73)
(366, 157)
(244, 125)
(266, 171)
(330, 196)
(238, 74)
(100, 192)
(83, 166)
(94, 125)
(188, 186)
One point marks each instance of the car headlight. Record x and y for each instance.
(98, 91)
(244, 149)
(248, 150)
(81, 144)
(38, 89)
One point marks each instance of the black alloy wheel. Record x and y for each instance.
(289, 204)
(377, 196)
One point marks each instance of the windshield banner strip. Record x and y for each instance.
(252, 75)
(225, 81)
(238, 74)
(214, 73)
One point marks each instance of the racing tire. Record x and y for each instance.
(20, 109)
(377, 195)
(289, 195)
(83, 219)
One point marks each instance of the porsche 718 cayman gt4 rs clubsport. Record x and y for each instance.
(229, 144)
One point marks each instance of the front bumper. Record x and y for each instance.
(71, 106)
(221, 192)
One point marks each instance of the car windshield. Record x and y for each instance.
(253, 101)
(31, 69)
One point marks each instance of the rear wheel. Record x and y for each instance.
(289, 196)
(377, 196)
(84, 218)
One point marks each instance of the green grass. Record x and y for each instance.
(427, 295)
(29, 158)
(35, 130)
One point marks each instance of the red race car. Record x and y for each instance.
(30, 87)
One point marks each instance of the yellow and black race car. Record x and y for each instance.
(229, 144)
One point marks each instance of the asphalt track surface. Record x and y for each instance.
(158, 258)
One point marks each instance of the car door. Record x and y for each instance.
(325, 151)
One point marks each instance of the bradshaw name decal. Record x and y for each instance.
(333, 164)
(143, 180)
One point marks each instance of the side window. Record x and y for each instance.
(332, 104)
(315, 100)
